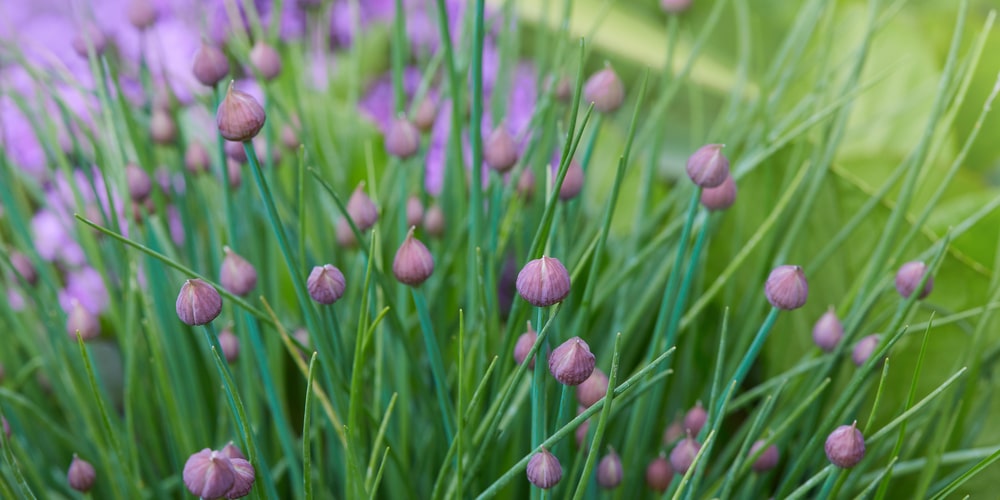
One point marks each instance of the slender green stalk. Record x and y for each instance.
(437, 365)
(602, 422)
(307, 486)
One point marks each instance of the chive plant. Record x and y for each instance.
(439, 249)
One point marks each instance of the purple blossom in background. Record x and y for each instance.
(53, 239)
(85, 286)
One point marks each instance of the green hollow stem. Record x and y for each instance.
(437, 366)
(660, 330)
(749, 357)
(476, 140)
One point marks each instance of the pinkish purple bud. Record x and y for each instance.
(6, 425)
(24, 268)
(138, 181)
(580, 434)
(402, 140)
(767, 460)
(362, 209)
(344, 233)
(543, 282)
(864, 348)
(208, 474)
(605, 90)
(828, 331)
(526, 184)
(572, 362)
(231, 451)
(414, 211)
(80, 475)
(237, 274)
(720, 197)
(523, 346)
(81, 320)
(235, 173)
(572, 183)
(162, 128)
(196, 158)
(708, 167)
(289, 138)
(908, 279)
(230, 345)
(434, 221)
(210, 65)
(266, 60)
(499, 150)
(544, 470)
(593, 389)
(326, 284)
(659, 474)
(695, 419)
(198, 303)
(609, 471)
(675, 6)
(239, 117)
(235, 151)
(672, 433)
(141, 13)
(413, 263)
(786, 287)
(243, 478)
(425, 114)
(682, 456)
(92, 34)
(845, 446)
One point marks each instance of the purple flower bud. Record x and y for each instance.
(605, 90)
(231, 451)
(237, 274)
(414, 211)
(230, 344)
(208, 474)
(266, 59)
(659, 474)
(609, 471)
(720, 197)
(767, 460)
(235, 151)
(92, 34)
(434, 222)
(572, 183)
(344, 233)
(81, 320)
(593, 389)
(402, 139)
(239, 117)
(499, 151)
(828, 331)
(581, 434)
(908, 279)
(6, 426)
(708, 167)
(786, 287)
(362, 209)
(543, 282)
(24, 268)
(675, 6)
(672, 433)
(326, 284)
(413, 263)
(210, 65)
(141, 13)
(289, 138)
(564, 89)
(845, 446)
(138, 181)
(198, 303)
(425, 114)
(162, 128)
(572, 362)
(523, 346)
(80, 475)
(243, 478)
(234, 172)
(695, 419)
(865, 348)
(682, 456)
(544, 470)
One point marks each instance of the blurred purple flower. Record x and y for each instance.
(86, 286)
(53, 239)
(15, 299)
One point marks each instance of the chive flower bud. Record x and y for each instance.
(425, 114)
(767, 460)
(289, 138)
(523, 346)
(243, 478)
(345, 234)
(414, 211)
(326, 284)
(580, 434)
(659, 474)
(80, 475)
(845, 446)
(89, 33)
(672, 433)
(413, 263)
(138, 181)
(605, 90)
(720, 197)
(402, 140)
(864, 348)
(675, 6)
(198, 303)
(708, 167)
(609, 471)
(141, 13)
(81, 320)
(543, 282)
(682, 456)
(239, 117)
(23, 267)
(162, 128)
(234, 151)
(208, 474)
(593, 389)
(564, 89)
(499, 151)
(828, 331)
(210, 65)
(695, 419)
(786, 287)
(362, 209)
(230, 345)
(196, 158)
(434, 222)
(544, 470)
(237, 274)
(908, 279)
(235, 173)
(266, 60)
(572, 362)
(6, 426)
(572, 183)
